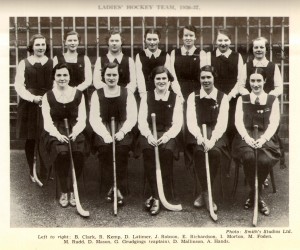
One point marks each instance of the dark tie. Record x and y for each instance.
(152, 57)
(187, 53)
(257, 101)
(116, 61)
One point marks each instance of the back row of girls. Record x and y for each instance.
(153, 73)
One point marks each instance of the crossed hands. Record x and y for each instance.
(161, 140)
(64, 138)
(118, 137)
(207, 144)
(255, 143)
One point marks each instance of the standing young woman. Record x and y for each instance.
(113, 101)
(126, 64)
(207, 106)
(64, 101)
(79, 64)
(33, 80)
(150, 58)
(168, 109)
(185, 66)
(228, 65)
(261, 109)
(186, 61)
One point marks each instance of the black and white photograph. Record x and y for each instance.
(150, 125)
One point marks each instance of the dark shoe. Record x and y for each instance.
(154, 210)
(205, 195)
(199, 202)
(72, 199)
(148, 203)
(109, 196)
(263, 208)
(63, 200)
(120, 198)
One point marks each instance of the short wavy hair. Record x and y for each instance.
(32, 40)
(159, 70)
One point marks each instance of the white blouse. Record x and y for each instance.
(278, 84)
(96, 120)
(177, 117)
(63, 98)
(222, 119)
(97, 79)
(20, 77)
(87, 70)
(140, 78)
(274, 116)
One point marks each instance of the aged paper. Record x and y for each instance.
(42, 238)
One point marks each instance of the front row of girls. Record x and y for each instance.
(206, 105)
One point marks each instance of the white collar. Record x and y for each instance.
(112, 57)
(191, 50)
(155, 54)
(226, 54)
(159, 97)
(212, 95)
(262, 97)
(260, 63)
(32, 59)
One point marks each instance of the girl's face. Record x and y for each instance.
(115, 43)
(111, 77)
(72, 42)
(257, 83)
(188, 38)
(259, 49)
(152, 42)
(39, 47)
(207, 81)
(223, 42)
(62, 77)
(161, 81)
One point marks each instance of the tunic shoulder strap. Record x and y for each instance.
(270, 100)
(246, 98)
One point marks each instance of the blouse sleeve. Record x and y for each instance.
(239, 116)
(142, 118)
(48, 122)
(20, 83)
(97, 79)
(95, 118)
(278, 84)
(191, 118)
(177, 120)
(132, 84)
(87, 75)
(222, 120)
(81, 119)
(131, 114)
(274, 121)
(140, 76)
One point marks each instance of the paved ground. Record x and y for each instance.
(32, 206)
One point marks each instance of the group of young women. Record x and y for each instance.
(186, 89)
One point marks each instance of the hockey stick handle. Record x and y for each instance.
(113, 131)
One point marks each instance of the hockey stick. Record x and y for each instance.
(80, 210)
(36, 147)
(114, 165)
(255, 212)
(160, 187)
(210, 200)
